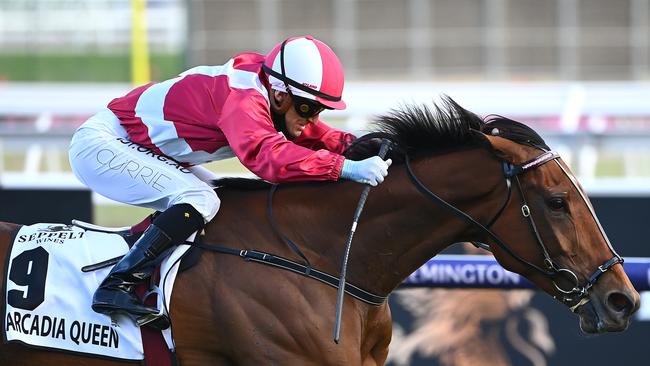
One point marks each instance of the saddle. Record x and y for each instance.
(131, 234)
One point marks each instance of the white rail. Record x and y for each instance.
(586, 122)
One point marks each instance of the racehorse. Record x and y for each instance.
(456, 178)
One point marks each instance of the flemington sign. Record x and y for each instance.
(480, 271)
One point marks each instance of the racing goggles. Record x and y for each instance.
(305, 107)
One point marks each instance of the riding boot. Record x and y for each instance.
(116, 292)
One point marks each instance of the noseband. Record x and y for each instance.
(573, 297)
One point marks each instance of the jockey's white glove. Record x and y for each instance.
(370, 171)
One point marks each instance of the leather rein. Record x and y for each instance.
(573, 297)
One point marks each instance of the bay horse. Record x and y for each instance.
(456, 178)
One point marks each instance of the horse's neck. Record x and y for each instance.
(399, 230)
(316, 217)
(409, 229)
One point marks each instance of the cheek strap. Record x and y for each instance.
(279, 122)
(280, 107)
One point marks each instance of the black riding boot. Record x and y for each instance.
(116, 293)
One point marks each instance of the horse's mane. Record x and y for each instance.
(416, 129)
(513, 131)
(420, 128)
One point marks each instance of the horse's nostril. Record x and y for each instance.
(620, 303)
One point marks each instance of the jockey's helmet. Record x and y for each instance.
(308, 68)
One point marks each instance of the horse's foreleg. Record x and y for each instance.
(378, 337)
(377, 357)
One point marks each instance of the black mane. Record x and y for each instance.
(513, 131)
(420, 128)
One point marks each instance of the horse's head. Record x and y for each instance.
(558, 242)
(514, 192)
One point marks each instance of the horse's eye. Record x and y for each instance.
(557, 203)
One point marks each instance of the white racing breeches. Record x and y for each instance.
(105, 160)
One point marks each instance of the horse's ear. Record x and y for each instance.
(505, 149)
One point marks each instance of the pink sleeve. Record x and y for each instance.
(246, 122)
(322, 136)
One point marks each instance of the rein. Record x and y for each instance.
(552, 270)
(573, 297)
(289, 265)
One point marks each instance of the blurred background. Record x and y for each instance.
(577, 71)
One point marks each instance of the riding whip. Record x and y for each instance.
(383, 149)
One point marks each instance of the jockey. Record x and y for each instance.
(146, 148)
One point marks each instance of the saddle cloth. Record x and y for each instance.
(48, 298)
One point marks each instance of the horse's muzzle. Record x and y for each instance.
(610, 313)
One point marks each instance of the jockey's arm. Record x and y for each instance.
(322, 136)
(247, 124)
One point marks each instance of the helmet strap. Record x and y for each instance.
(278, 109)
(279, 106)
(279, 122)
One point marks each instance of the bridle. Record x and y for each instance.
(573, 297)
(577, 295)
